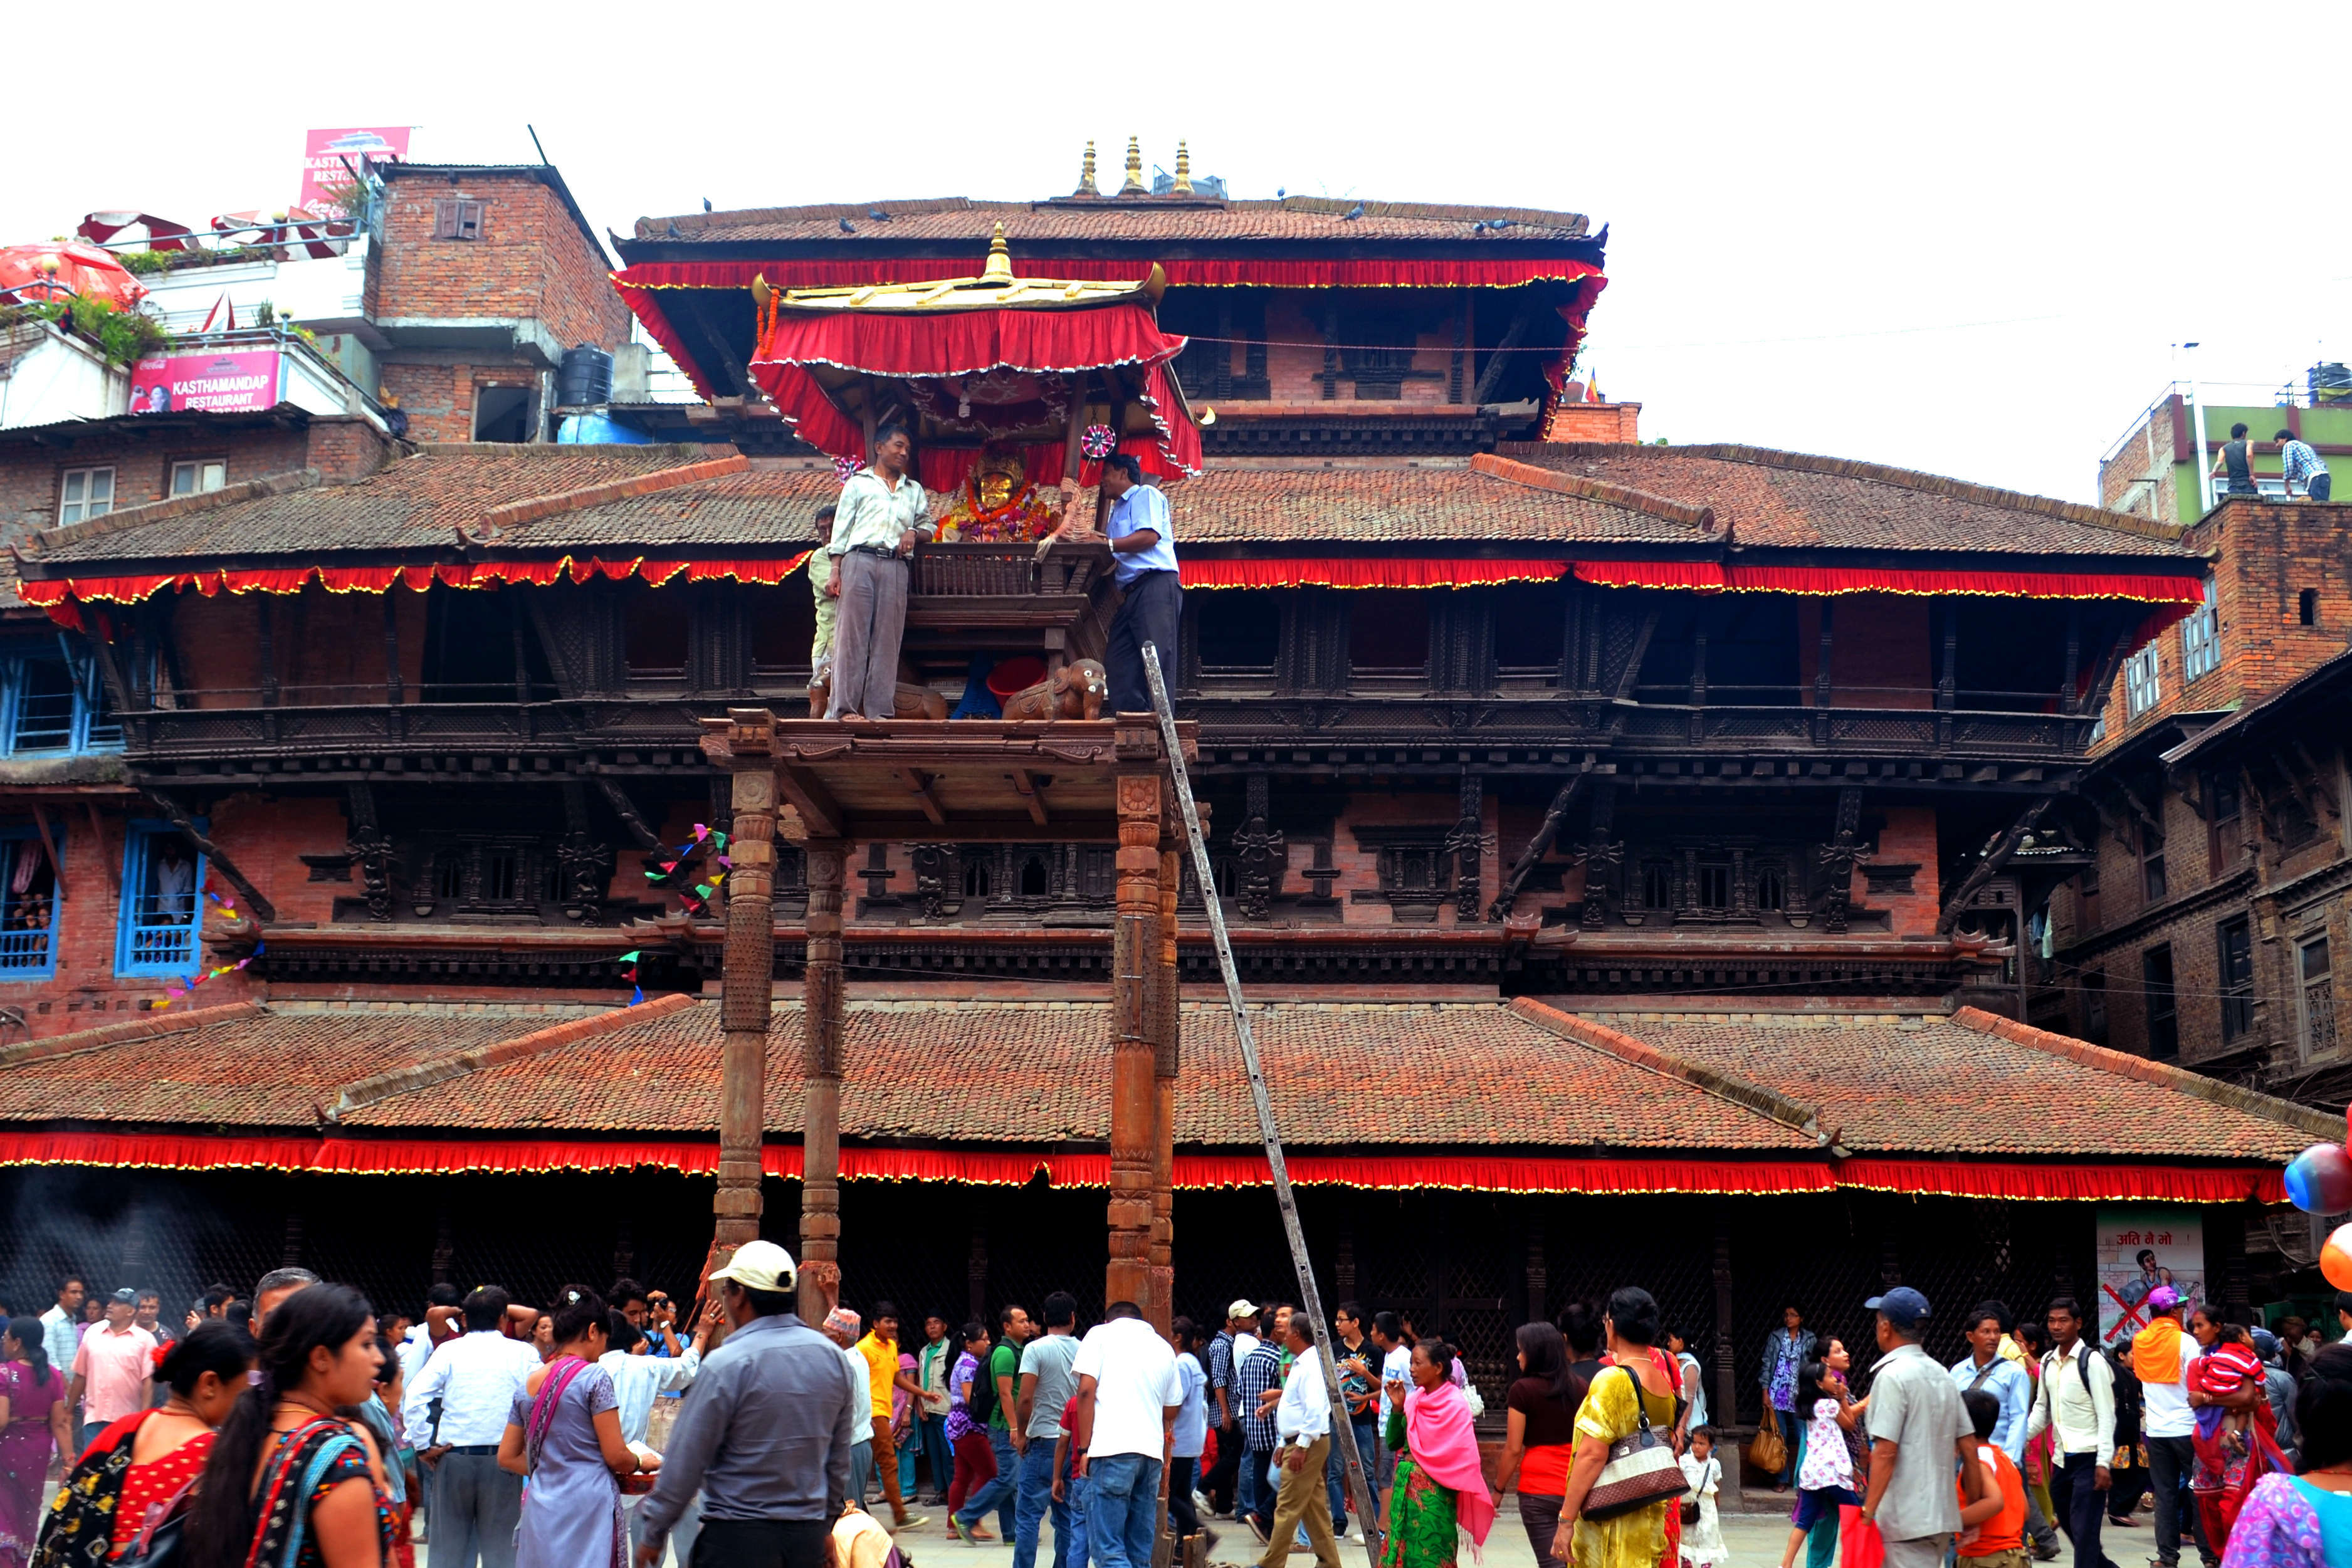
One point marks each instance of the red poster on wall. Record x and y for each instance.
(237, 382)
(326, 154)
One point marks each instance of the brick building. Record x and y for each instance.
(1657, 808)
(2214, 814)
(480, 279)
(2153, 469)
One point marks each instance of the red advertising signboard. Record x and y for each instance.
(325, 153)
(236, 381)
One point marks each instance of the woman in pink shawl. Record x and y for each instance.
(1440, 1488)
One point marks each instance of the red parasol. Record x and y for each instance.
(34, 273)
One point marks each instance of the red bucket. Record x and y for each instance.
(1016, 675)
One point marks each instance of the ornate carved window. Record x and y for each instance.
(1414, 868)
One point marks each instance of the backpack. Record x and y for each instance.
(983, 1403)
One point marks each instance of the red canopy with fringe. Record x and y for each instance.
(967, 342)
(1715, 577)
(60, 595)
(1361, 571)
(641, 285)
(1371, 1169)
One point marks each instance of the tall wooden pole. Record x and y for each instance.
(821, 1023)
(1167, 1043)
(746, 985)
(1134, 1094)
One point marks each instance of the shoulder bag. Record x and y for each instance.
(1642, 1467)
(1768, 1451)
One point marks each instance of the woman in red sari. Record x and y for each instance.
(137, 1473)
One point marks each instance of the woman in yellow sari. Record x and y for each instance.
(1610, 1415)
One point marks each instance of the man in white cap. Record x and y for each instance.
(764, 1433)
(1234, 1341)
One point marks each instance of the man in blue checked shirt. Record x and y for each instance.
(1143, 553)
(2300, 466)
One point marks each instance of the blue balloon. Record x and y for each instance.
(2319, 1181)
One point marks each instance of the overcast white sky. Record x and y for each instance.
(1960, 238)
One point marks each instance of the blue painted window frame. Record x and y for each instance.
(26, 953)
(147, 941)
(89, 724)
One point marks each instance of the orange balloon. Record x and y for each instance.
(2336, 1259)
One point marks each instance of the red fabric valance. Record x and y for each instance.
(640, 286)
(1363, 571)
(2071, 1184)
(1713, 577)
(964, 342)
(58, 594)
(812, 272)
(1375, 1171)
(1484, 1172)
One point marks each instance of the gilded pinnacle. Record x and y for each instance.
(1135, 185)
(1087, 175)
(1183, 169)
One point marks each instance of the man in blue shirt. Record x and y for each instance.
(2299, 464)
(1144, 563)
(1985, 1368)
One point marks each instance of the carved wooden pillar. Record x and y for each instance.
(1601, 853)
(1166, 1057)
(1134, 1091)
(747, 977)
(1838, 857)
(1538, 1277)
(1468, 836)
(821, 1024)
(976, 1275)
(1727, 1371)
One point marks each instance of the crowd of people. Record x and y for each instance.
(294, 1425)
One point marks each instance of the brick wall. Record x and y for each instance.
(141, 458)
(531, 262)
(1595, 422)
(1907, 837)
(2265, 555)
(1879, 651)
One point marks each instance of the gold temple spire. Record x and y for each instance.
(1135, 185)
(1087, 175)
(1000, 260)
(1183, 169)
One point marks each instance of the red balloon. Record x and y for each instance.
(2336, 1259)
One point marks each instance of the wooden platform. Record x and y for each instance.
(968, 781)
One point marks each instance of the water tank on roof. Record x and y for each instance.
(2331, 383)
(584, 378)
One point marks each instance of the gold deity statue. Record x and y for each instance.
(997, 501)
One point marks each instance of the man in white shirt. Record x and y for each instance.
(474, 1379)
(2166, 1423)
(62, 1325)
(2077, 1396)
(1126, 1403)
(1302, 1438)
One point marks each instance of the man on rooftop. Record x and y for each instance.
(882, 517)
(1144, 561)
(2300, 465)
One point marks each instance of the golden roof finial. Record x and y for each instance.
(1000, 260)
(1087, 175)
(1135, 185)
(1183, 169)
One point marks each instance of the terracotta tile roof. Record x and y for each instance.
(1938, 1086)
(901, 1054)
(1401, 505)
(766, 507)
(1029, 224)
(926, 1072)
(1793, 500)
(416, 503)
(249, 1067)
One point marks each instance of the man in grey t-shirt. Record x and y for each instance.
(1917, 1424)
(1046, 1387)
